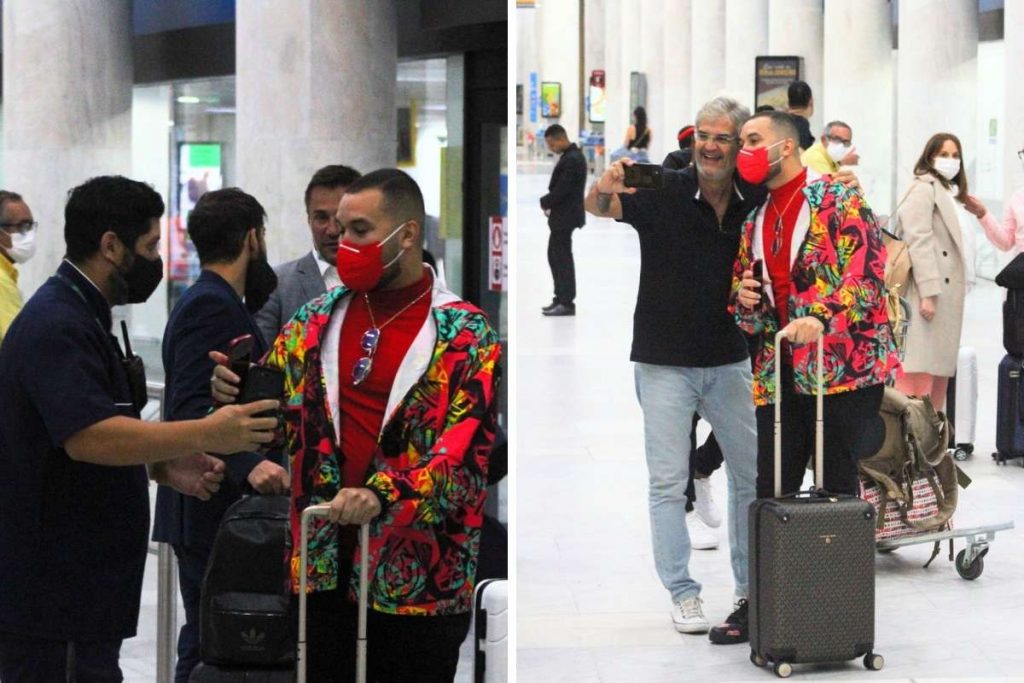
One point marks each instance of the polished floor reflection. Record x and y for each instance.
(590, 606)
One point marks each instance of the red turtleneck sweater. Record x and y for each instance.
(362, 406)
(787, 199)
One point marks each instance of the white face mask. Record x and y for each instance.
(837, 151)
(947, 166)
(23, 246)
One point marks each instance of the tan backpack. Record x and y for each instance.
(916, 438)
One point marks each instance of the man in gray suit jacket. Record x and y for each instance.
(311, 275)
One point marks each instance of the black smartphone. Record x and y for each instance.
(758, 270)
(260, 383)
(240, 356)
(644, 176)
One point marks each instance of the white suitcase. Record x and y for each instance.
(962, 402)
(490, 659)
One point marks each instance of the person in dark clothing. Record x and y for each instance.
(74, 498)
(801, 106)
(563, 205)
(689, 232)
(227, 227)
(681, 158)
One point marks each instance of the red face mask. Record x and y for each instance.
(359, 265)
(753, 164)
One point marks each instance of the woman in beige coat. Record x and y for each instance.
(933, 233)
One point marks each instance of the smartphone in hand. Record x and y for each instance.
(240, 356)
(644, 176)
(757, 268)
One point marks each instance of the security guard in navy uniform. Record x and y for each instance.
(74, 502)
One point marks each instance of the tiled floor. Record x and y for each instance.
(590, 606)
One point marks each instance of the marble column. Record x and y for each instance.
(616, 76)
(629, 35)
(560, 44)
(795, 27)
(858, 77)
(678, 109)
(594, 47)
(653, 66)
(67, 100)
(936, 80)
(746, 37)
(315, 85)
(1013, 121)
(528, 55)
(707, 52)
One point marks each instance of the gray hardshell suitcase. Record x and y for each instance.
(812, 568)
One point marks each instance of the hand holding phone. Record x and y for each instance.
(240, 356)
(758, 270)
(644, 176)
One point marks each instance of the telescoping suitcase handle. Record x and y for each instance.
(364, 545)
(819, 423)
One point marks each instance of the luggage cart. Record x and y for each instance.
(969, 561)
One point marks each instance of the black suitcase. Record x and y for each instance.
(1013, 322)
(1009, 407)
(812, 569)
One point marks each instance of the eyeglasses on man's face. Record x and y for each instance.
(22, 227)
(720, 139)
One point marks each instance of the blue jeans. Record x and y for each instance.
(669, 396)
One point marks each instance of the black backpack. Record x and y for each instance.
(246, 613)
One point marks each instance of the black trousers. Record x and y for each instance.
(852, 431)
(400, 648)
(704, 460)
(191, 569)
(24, 659)
(563, 267)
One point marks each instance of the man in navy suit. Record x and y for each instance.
(227, 227)
(311, 275)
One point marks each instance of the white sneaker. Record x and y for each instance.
(705, 506)
(701, 537)
(688, 617)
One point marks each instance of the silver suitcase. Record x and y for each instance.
(364, 552)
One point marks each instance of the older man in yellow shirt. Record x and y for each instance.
(17, 245)
(832, 150)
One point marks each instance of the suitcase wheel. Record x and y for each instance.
(874, 662)
(757, 660)
(961, 454)
(782, 669)
(970, 571)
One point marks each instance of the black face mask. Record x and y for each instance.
(260, 283)
(142, 278)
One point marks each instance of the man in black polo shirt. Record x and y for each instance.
(74, 501)
(689, 354)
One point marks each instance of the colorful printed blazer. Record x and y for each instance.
(838, 264)
(431, 459)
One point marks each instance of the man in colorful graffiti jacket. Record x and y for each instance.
(389, 410)
(823, 266)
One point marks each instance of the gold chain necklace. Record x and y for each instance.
(366, 297)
